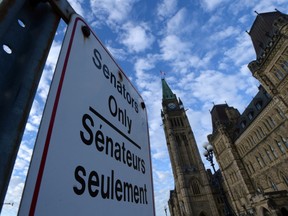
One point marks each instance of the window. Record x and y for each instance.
(250, 115)
(259, 162)
(178, 141)
(268, 154)
(258, 105)
(285, 179)
(195, 187)
(284, 65)
(261, 157)
(273, 185)
(262, 132)
(171, 122)
(281, 114)
(271, 122)
(248, 168)
(243, 124)
(273, 151)
(251, 165)
(285, 141)
(278, 73)
(279, 144)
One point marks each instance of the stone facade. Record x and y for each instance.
(252, 148)
(192, 195)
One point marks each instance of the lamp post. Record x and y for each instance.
(165, 209)
(208, 153)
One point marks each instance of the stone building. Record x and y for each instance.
(192, 194)
(252, 148)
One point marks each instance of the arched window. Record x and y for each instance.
(269, 155)
(195, 187)
(285, 141)
(273, 185)
(278, 73)
(279, 144)
(273, 151)
(243, 124)
(259, 161)
(284, 65)
(285, 179)
(281, 114)
(258, 105)
(250, 115)
(252, 166)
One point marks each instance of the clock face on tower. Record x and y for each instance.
(171, 105)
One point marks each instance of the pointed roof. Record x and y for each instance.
(166, 91)
(263, 29)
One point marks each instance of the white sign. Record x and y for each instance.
(92, 154)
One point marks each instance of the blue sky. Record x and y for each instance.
(202, 47)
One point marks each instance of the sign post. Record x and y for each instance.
(92, 152)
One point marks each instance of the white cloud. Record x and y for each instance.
(137, 38)
(112, 11)
(166, 8)
(77, 6)
(180, 23)
(210, 5)
(243, 51)
(229, 31)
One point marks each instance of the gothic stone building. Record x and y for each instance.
(192, 194)
(252, 148)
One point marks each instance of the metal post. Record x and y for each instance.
(209, 156)
(27, 29)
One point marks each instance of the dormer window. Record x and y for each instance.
(250, 115)
(243, 124)
(258, 105)
(278, 73)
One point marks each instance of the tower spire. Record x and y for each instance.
(166, 91)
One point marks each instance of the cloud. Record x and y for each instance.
(210, 5)
(180, 23)
(137, 38)
(111, 11)
(77, 6)
(242, 52)
(166, 8)
(229, 31)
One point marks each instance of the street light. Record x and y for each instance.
(165, 209)
(208, 153)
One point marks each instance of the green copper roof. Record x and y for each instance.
(166, 91)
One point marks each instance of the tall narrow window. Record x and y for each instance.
(261, 157)
(285, 179)
(252, 166)
(250, 115)
(273, 151)
(279, 144)
(195, 187)
(258, 105)
(284, 65)
(271, 122)
(259, 162)
(273, 185)
(285, 141)
(281, 114)
(268, 154)
(248, 168)
(178, 139)
(278, 73)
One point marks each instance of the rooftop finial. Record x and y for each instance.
(247, 32)
(162, 74)
(256, 12)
